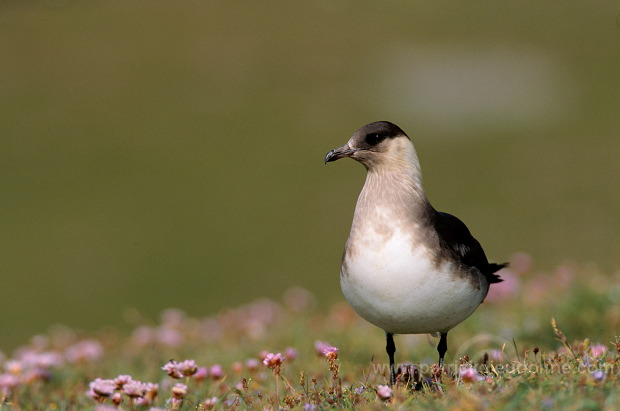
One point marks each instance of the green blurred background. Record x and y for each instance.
(159, 154)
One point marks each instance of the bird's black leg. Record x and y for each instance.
(390, 347)
(442, 347)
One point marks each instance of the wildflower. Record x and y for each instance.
(320, 346)
(134, 389)
(252, 364)
(201, 374)
(273, 361)
(599, 375)
(14, 367)
(360, 390)
(384, 392)
(310, 407)
(598, 350)
(469, 374)
(8, 382)
(187, 367)
(149, 395)
(172, 369)
(331, 353)
(101, 388)
(216, 372)
(179, 391)
(210, 403)
(143, 336)
(507, 289)
(290, 353)
(84, 351)
(47, 359)
(117, 398)
(122, 380)
(169, 336)
(497, 356)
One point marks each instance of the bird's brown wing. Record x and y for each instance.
(455, 236)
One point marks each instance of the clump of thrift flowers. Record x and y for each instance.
(384, 392)
(137, 392)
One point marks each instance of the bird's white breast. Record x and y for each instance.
(392, 280)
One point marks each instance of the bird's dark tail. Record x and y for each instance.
(493, 268)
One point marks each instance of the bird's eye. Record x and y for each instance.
(374, 138)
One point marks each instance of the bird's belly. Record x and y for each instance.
(401, 289)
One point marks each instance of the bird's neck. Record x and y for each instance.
(399, 186)
(394, 192)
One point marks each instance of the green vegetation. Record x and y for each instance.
(521, 350)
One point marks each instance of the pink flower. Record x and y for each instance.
(252, 364)
(187, 367)
(103, 387)
(506, 290)
(84, 351)
(179, 391)
(331, 353)
(290, 353)
(117, 398)
(169, 337)
(149, 395)
(134, 389)
(8, 382)
(598, 350)
(210, 402)
(47, 359)
(273, 361)
(384, 392)
(469, 374)
(172, 369)
(216, 372)
(143, 336)
(321, 346)
(122, 380)
(201, 374)
(14, 367)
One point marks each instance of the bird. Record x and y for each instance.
(407, 268)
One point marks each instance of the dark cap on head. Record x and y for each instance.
(367, 138)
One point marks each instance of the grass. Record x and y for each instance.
(541, 340)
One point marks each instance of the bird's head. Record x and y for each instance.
(375, 144)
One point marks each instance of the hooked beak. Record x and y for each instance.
(337, 153)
